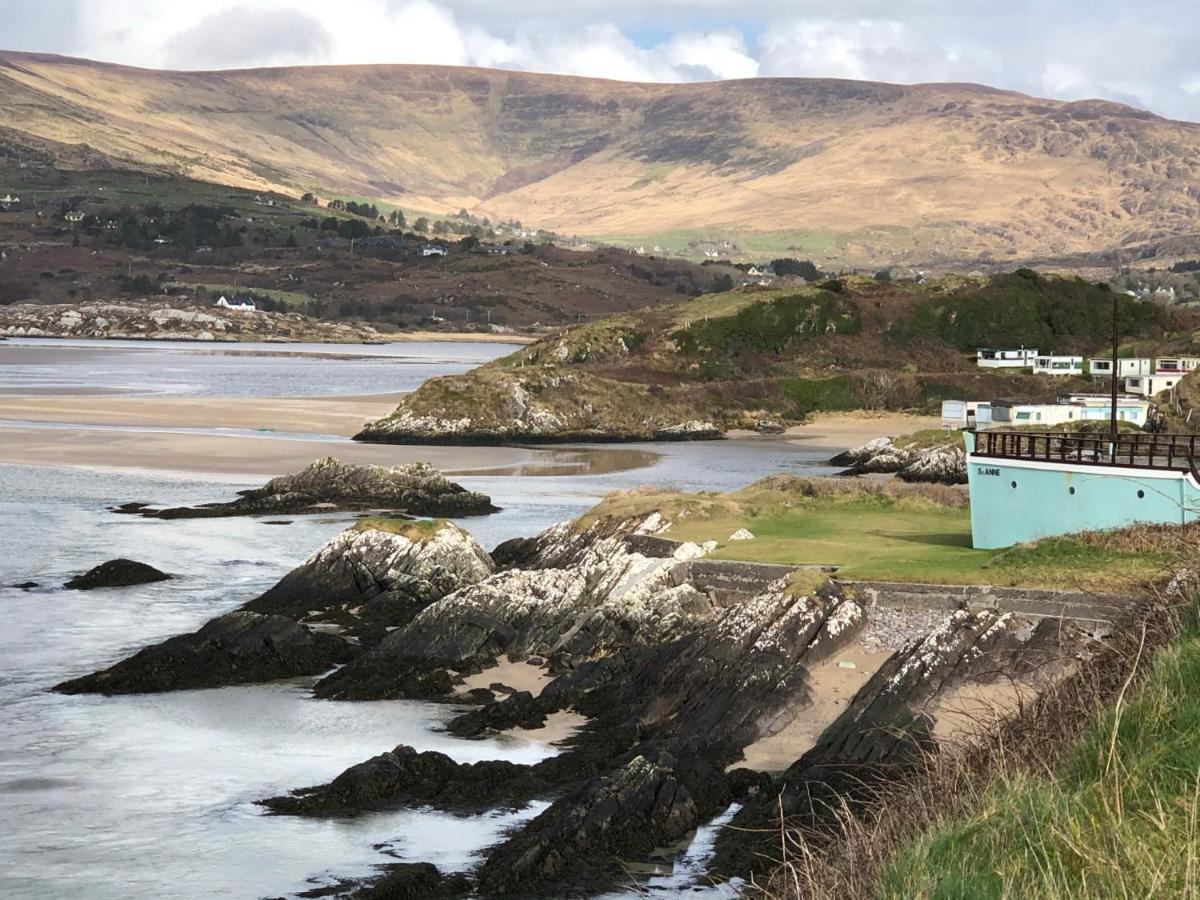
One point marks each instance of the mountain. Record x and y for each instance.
(841, 171)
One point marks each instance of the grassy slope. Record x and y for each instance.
(775, 163)
(900, 533)
(1118, 817)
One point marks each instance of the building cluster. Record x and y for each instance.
(1143, 376)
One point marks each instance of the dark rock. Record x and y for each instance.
(237, 648)
(404, 776)
(535, 661)
(520, 710)
(414, 489)
(278, 522)
(116, 573)
(498, 688)
(26, 585)
(414, 881)
(637, 808)
(481, 695)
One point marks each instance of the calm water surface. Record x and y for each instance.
(152, 796)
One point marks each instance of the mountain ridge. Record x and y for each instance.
(839, 170)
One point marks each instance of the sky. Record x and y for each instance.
(1146, 54)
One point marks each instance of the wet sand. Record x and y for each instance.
(523, 677)
(306, 415)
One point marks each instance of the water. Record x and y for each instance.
(153, 796)
(40, 366)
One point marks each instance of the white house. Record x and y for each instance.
(8, 201)
(1151, 385)
(245, 304)
(1177, 365)
(1103, 367)
(433, 250)
(989, 358)
(73, 215)
(960, 414)
(1058, 365)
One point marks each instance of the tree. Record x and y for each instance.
(335, 203)
(309, 197)
(352, 229)
(802, 267)
(440, 227)
(470, 242)
(421, 225)
(291, 240)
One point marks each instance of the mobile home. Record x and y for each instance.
(1152, 385)
(990, 358)
(1058, 365)
(1175, 365)
(1103, 367)
(959, 414)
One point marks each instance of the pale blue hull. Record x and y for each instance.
(1014, 501)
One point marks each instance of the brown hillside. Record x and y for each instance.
(838, 170)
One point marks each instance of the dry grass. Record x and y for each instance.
(1031, 809)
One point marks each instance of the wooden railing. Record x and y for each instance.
(1176, 452)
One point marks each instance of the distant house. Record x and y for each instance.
(8, 203)
(712, 254)
(1125, 367)
(204, 248)
(1058, 365)
(991, 358)
(73, 215)
(433, 250)
(244, 304)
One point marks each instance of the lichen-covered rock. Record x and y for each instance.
(237, 648)
(937, 465)
(116, 573)
(603, 598)
(378, 575)
(416, 489)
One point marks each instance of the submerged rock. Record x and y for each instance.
(414, 881)
(236, 648)
(116, 573)
(415, 489)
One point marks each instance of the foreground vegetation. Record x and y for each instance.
(885, 531)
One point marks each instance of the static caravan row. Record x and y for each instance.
(1150, 385)
(980, 415)
(1058, 365)
(1126, 367)
(960, 414)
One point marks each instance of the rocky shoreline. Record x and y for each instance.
(164, 321)
(673, 683)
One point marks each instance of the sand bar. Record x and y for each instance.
(306, 415)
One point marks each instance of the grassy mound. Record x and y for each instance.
(882, 531)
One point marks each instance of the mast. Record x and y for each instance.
(1116, 346)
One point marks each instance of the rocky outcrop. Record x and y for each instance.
(237, 648)
(416, 489)
(497, 405)
(116, 573)
(413, 881)
(942, 464)
(345, 596)
(377, 576)
(638, 807)
(170, 320)
(593, 596)
(889, 725)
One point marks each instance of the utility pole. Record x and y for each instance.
(1116, 346)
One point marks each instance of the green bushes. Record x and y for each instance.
(771, 326)
(809, 395)
(1026, 309)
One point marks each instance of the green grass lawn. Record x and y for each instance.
(1119, 817)
(919, 534)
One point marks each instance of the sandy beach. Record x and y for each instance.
(841, 431)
